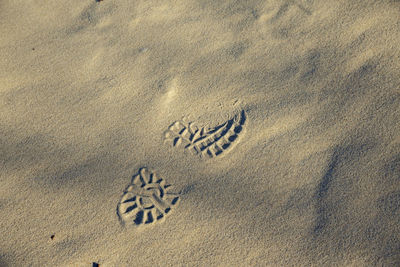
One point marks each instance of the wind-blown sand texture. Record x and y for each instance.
(90, 92)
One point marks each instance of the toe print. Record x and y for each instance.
(206, 143)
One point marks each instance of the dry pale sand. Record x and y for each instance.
(276, 123)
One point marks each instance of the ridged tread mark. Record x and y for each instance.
(146, 199)
(206, 143)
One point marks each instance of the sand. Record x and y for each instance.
(265, 133)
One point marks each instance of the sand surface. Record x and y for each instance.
(262, 133)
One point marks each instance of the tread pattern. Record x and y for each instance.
(206, 143)
(146, 199)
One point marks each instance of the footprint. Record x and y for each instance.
(206, 143)
(146, 200)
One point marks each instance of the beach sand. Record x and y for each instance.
(199, 133)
